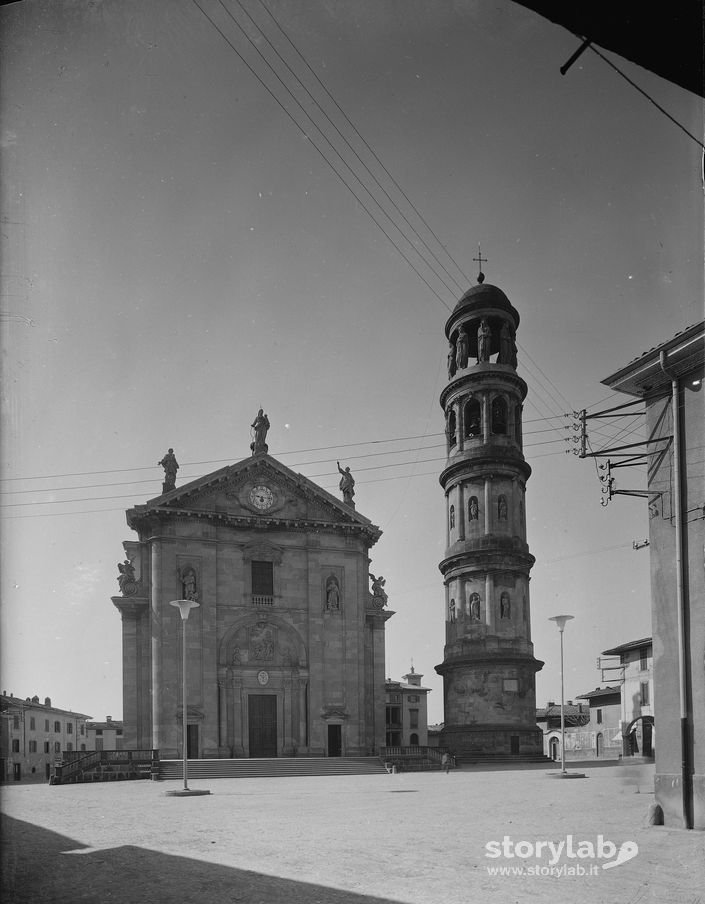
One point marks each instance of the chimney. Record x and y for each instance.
(47, 701)
(108, 718)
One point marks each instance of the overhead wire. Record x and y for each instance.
(346, 141)
(313, 143)
(297, 465)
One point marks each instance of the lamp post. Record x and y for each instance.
(184, 607)
(561, 620)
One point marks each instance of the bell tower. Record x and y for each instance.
(488, 668)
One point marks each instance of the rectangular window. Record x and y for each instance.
(15, 721)
(32, 746)
(46, 725)
(47, 748)
(69, 746)
(57, 747)
(98, 743)
(69, 728)
(98, 731)
(413, 718)
(413, 698)
(15, 745)
(394, 715)
(644, 693)
(32, 723)
(599, 717)
(262, 579)
(643, 660)
(118, 732)
(57, 727)
(83, 729)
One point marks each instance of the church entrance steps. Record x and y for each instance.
(280, 766)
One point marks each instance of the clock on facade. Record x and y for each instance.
(263, 677)
(261, 497)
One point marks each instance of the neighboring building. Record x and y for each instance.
(637, 696)
(669, 380)
(603, 740)
(489, 668)
(106, 735)
(286, 652)
(407, 714)
(34, 736)
(577, 716)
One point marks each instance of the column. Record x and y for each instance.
(490, 616)
(488, 505)
(156, 595)
(461, 512)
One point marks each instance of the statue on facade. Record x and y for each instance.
(347, 484)
(259, 428)
(451, 611)
(379, 594)
(473, 509)
(332, 593)
(502, 508)
(188, 585)
(171, 466)
(126, 576)
(505, 606)
(484, 339)
(451, 361)
(462, 348)
(475, 607)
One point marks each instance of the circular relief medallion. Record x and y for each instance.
(263, 677)
(262, 498)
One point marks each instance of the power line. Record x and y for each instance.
(361, 482)
(212, 461)
(334, 126)
(363, 140)
(301, 464)
(337, 172)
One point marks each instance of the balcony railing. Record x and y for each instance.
(259, 599)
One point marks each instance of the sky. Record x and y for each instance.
(177, 252)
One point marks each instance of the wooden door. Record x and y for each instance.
(262, 717)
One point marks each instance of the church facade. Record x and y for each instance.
(489, 668)
(286, 648)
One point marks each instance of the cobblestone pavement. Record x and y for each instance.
(419, 838)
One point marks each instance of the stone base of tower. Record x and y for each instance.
(467, 743)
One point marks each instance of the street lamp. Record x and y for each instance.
(560, 621)
(184, 607)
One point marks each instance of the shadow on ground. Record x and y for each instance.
(37, 867)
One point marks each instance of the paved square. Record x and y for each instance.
(418, 838)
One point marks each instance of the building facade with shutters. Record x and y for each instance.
(286, 649)
(34, 735)
(407, 711)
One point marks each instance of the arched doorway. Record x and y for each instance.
(639, 736)
(554, 749)
(599, 744)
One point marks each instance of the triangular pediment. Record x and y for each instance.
(258, 489)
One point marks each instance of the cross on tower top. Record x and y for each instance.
(480, 259)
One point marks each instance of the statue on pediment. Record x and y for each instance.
(171, 466)
(258, 430)
(347, 484)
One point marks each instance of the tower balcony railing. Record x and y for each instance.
(262, 599)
